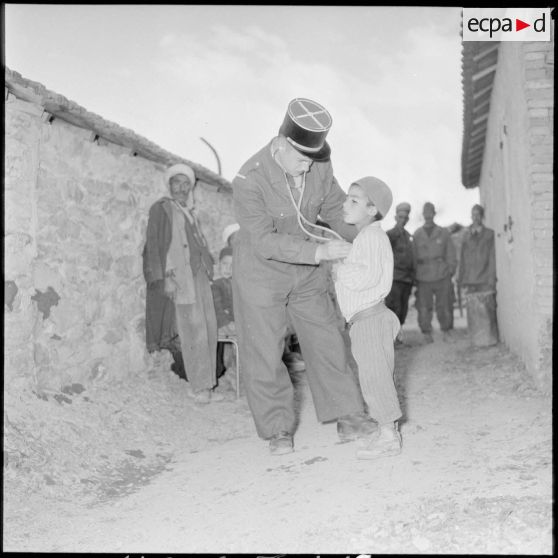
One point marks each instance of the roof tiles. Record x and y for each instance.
(69, 111)
(478, 63)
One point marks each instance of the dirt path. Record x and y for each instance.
(474, 475)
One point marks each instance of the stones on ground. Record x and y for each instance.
(136, 453)
(73, 389)
(62, 398)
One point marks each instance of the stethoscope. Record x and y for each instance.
(299, 215)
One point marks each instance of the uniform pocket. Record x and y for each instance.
(313, 210)
(285, 224)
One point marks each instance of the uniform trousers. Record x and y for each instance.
(398, 299)
(442, 290)
(373, 332)
(262, 314)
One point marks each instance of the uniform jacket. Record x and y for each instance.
(270, 241)
(160, 317)
(477, 263)
(403, 257)
(434, 255)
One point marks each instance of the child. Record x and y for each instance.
(362, 281)
(222, 297)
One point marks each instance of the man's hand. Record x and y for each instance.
(170, 287)
(333, 250)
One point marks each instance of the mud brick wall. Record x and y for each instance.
(516, 188)
(76, 214)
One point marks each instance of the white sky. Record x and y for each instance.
(390, 76)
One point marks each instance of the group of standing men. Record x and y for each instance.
(428, 259)
(279, 282)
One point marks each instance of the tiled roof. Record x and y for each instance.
(478, 63)
(71, 112)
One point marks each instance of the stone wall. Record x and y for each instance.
(516, 189)
(76, 214)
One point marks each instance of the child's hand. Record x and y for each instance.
(334, 269)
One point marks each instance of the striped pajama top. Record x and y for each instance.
(364, 278)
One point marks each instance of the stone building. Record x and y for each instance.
(77, 190)
(508, 154)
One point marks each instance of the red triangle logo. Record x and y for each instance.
(519, 25)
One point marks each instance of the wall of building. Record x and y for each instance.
(76, 214)
(516, 189)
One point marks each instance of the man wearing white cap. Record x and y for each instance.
(177, 266)
(278, 195)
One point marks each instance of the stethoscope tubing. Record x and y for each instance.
(300, 216)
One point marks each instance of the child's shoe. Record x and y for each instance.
(227, 382)
(380, 445)
(215, 396)
(205, 396)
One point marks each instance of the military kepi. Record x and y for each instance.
(305, 126)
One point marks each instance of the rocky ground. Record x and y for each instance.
(137, 467)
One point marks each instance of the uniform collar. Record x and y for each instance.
(435, 230)
(434, 227)
(275, 173)
(400, 229)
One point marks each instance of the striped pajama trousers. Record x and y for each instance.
(372, 333)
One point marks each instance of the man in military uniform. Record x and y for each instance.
(436, 263)
(277, 279)
(403, 265)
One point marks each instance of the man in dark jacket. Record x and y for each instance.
(403, 265)
(477, 264)
(177, 266)
(477, 274)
